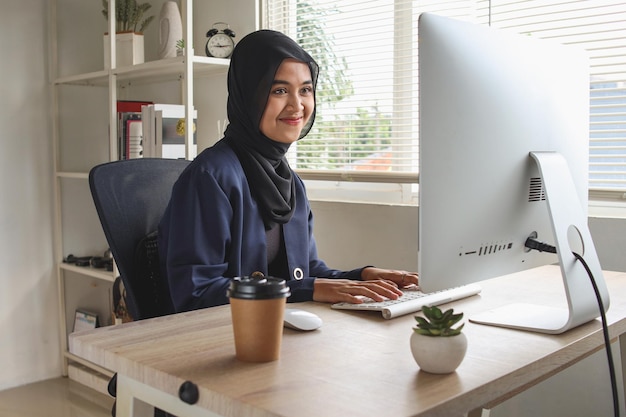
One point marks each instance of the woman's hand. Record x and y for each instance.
(346, 290)
(400, 278)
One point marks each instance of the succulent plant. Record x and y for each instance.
(437, 323)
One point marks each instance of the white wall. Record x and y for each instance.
(29, 331)
(609, 237)
(352, 234)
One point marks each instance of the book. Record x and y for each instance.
(85, 320)
(134, 137)
(130, 128)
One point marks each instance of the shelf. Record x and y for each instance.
(169, 80)
(75, 358)
(149, 71)
(73, 175)
(88, 377)
(89, 271)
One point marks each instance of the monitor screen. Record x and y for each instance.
(503, 154)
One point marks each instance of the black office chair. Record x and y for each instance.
(130, 198)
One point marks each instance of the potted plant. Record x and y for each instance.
(128, 15)
(436, 346)
(180, 47)
(130, 22)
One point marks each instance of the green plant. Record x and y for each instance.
(436, 323)
(180, 44)
(128, 15)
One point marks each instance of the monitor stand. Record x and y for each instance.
(568, 218)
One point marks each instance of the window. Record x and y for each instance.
(367, 123)
(598, 26)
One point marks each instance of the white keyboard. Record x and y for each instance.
(411, 301)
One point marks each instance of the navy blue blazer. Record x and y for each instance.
(212, 231)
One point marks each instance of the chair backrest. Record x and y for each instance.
(130, 197)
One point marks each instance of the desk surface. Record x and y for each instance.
(357, 363)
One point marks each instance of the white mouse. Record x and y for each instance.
(301, 320)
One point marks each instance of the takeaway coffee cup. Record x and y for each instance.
(257, 306)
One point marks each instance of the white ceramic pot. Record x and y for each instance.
(128, 47)
(438, 355)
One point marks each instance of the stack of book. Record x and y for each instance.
(130, 129)
(149, 130)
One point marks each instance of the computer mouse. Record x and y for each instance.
(301, 320)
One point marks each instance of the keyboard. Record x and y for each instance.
(411, 301)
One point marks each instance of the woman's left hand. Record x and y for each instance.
(401, 278)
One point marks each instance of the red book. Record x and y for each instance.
(129, 106)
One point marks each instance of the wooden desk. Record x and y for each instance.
(356, 364)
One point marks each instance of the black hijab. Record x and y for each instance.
(253, 65)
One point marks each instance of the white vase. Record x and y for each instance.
(170, 29)
(128, 49)
(438, 355)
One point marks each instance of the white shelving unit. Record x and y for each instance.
(84, 105)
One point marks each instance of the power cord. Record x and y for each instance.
(605, 332)
(532, 243)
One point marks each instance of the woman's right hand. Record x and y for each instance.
(330, 290)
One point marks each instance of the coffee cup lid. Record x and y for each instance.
(258, 288)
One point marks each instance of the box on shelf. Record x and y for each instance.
(164, 131)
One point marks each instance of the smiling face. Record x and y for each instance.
(290, 103)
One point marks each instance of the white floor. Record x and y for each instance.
(59, 397)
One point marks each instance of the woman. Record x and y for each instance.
(240, 210)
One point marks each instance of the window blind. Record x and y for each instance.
(367, 95)
(599, 27)
(367, 119)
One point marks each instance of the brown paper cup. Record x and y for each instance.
(257, 306)
(258, 328)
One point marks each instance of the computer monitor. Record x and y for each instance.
(503, 154)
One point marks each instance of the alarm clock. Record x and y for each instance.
(220, 43)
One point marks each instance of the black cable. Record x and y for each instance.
(605, 332)
(532, 243)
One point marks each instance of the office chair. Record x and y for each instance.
(130, 198)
